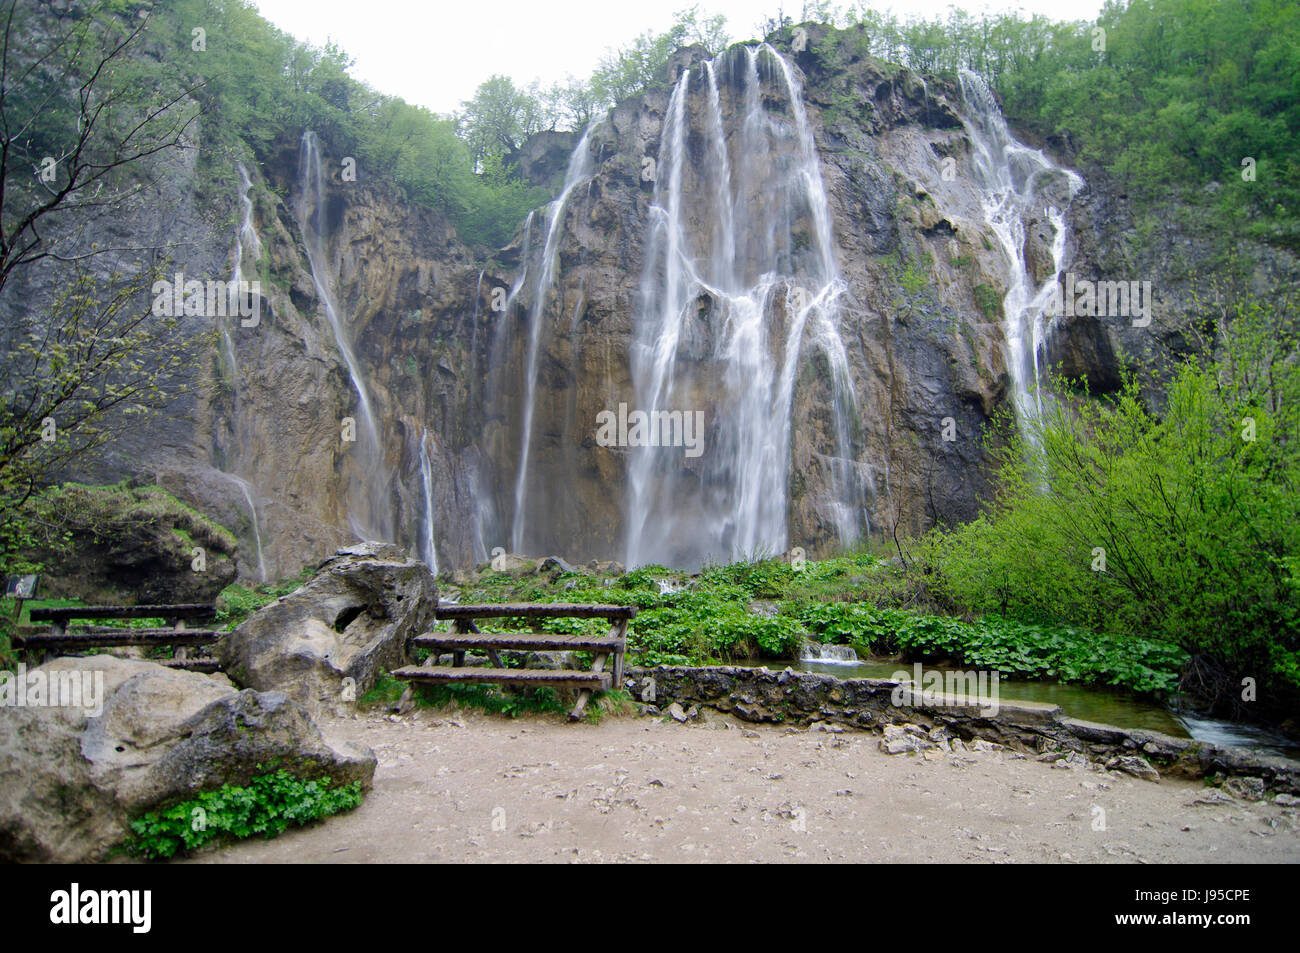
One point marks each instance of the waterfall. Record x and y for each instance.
(488, 528)
(740, 267)
(428, 547)
(245, 238)
(828, 653)
(247, 489)
(312, 221)
(484, 515)
(580, 167)
(473, 331)
(257, 528)
(1007, 171)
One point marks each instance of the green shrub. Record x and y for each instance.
(855, 599)
(1013, 648)
(988, 301)
(266, 806)
(1182, 525)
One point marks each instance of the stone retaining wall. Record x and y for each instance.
(802, 698)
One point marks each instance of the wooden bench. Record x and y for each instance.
(61, 635)
(465, 636)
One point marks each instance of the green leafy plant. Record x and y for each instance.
(265, 807)
(1182, 525)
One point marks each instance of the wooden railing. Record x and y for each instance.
(62, 635)
(465, 636)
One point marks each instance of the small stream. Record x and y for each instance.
(1076, 701)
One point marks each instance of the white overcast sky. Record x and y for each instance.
(436, 53)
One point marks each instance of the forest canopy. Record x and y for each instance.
(1188, 100)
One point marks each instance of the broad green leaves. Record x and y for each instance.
(265, 807)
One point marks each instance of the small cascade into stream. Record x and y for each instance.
(826, 653)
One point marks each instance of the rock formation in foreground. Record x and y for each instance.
(72, 778)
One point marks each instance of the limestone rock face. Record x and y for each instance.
(919, 351)
(73, 777)
(257, 443)
(324, 644)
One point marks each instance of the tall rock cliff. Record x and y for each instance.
(860, 249)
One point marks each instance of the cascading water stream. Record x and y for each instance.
(473, 327)
(740, 251)
(246, 240)
(428, 544)
(1007, 172)
(311, 220)
(484, 515)
(486, 523)
(580, 167)
(247, 489)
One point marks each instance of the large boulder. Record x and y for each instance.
(327, 642)
(127, 543)
(141, 737)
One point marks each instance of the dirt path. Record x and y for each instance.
(461, 786)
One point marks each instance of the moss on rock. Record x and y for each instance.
(128, 543)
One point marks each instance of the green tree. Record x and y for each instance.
(72, 378)
(643, 63)
(500, 116)
(75, 118)
(84, 115)
(1184, 524)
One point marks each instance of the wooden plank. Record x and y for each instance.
(580, 704)
(555, 678)
(159, 631)
(619, 632)
(111, 637)
(467, 625)
(597, 668)
(205, 665)
(536, 610)
(526, 641)
(189, 610)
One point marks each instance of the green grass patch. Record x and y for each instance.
(386, 691)
(491, 699)
(237, 602)
(765, 608)
(988, 300)
(488, 698)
